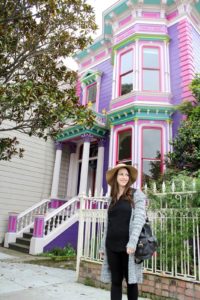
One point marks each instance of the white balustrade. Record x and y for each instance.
(26, 219)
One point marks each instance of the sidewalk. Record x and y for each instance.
(20, 280)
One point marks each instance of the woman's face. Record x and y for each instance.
(122, 177)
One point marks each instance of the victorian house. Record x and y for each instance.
(132, 77)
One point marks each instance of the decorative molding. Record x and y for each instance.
(87, 137)
(59, 146)
(101, 142)
(141, 112)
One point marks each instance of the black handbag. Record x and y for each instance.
(147, 243)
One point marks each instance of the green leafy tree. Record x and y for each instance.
(186, 145)
(37, 90)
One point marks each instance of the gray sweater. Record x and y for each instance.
(137, 221)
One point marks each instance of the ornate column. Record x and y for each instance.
(72, 170)
(56, 173)
(85, 164)
(100, 163)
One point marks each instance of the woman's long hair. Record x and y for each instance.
(127, 194)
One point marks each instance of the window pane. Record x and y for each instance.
(93, 149)
(126, 62)
(151, 80)
(91, 93)
(150, 58)
(151, 143)
(124, 139)
(126, 83)
(146, 168)
(151, 169)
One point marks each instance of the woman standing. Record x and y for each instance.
(125, 218)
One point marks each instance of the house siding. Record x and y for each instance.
(196, 47)
(25, 181)
(175, 68)
(106, 84)
(175, 71)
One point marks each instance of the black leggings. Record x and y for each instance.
(118, 263)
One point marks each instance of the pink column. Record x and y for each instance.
(12, 222)
(38, 230)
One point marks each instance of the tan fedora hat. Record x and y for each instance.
(110, 173)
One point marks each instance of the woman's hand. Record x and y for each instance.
(130, 250)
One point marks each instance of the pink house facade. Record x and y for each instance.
(132, 77)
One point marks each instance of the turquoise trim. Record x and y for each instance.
(90, 77)
(120, 116)
(119, 8)
(132, 38)
(140, 112)
(197, 6)
(108, 29)
(170, 2)
(77, 131)
(154, 2)
(99, 129)
(137, 36)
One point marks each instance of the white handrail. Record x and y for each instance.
(28, 210)
(58, 210)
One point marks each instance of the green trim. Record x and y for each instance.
(197, 6)
(136, 36)
(146, 37)
(170, 2)
(90, 77)
(119, 8)
(141, 113)
(154, 2)
(77, 131)
(99, 129)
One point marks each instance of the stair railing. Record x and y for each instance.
(25, 219)
(19, 223)
(60, 215)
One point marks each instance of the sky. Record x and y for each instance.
(99, 7)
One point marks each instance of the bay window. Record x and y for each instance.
(151, 69)
(126, 73)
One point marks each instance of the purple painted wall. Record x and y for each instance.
(106, 84)
(175, 71)
(69, 236)
(196, 47)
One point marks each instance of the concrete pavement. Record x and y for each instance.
(20, 280)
